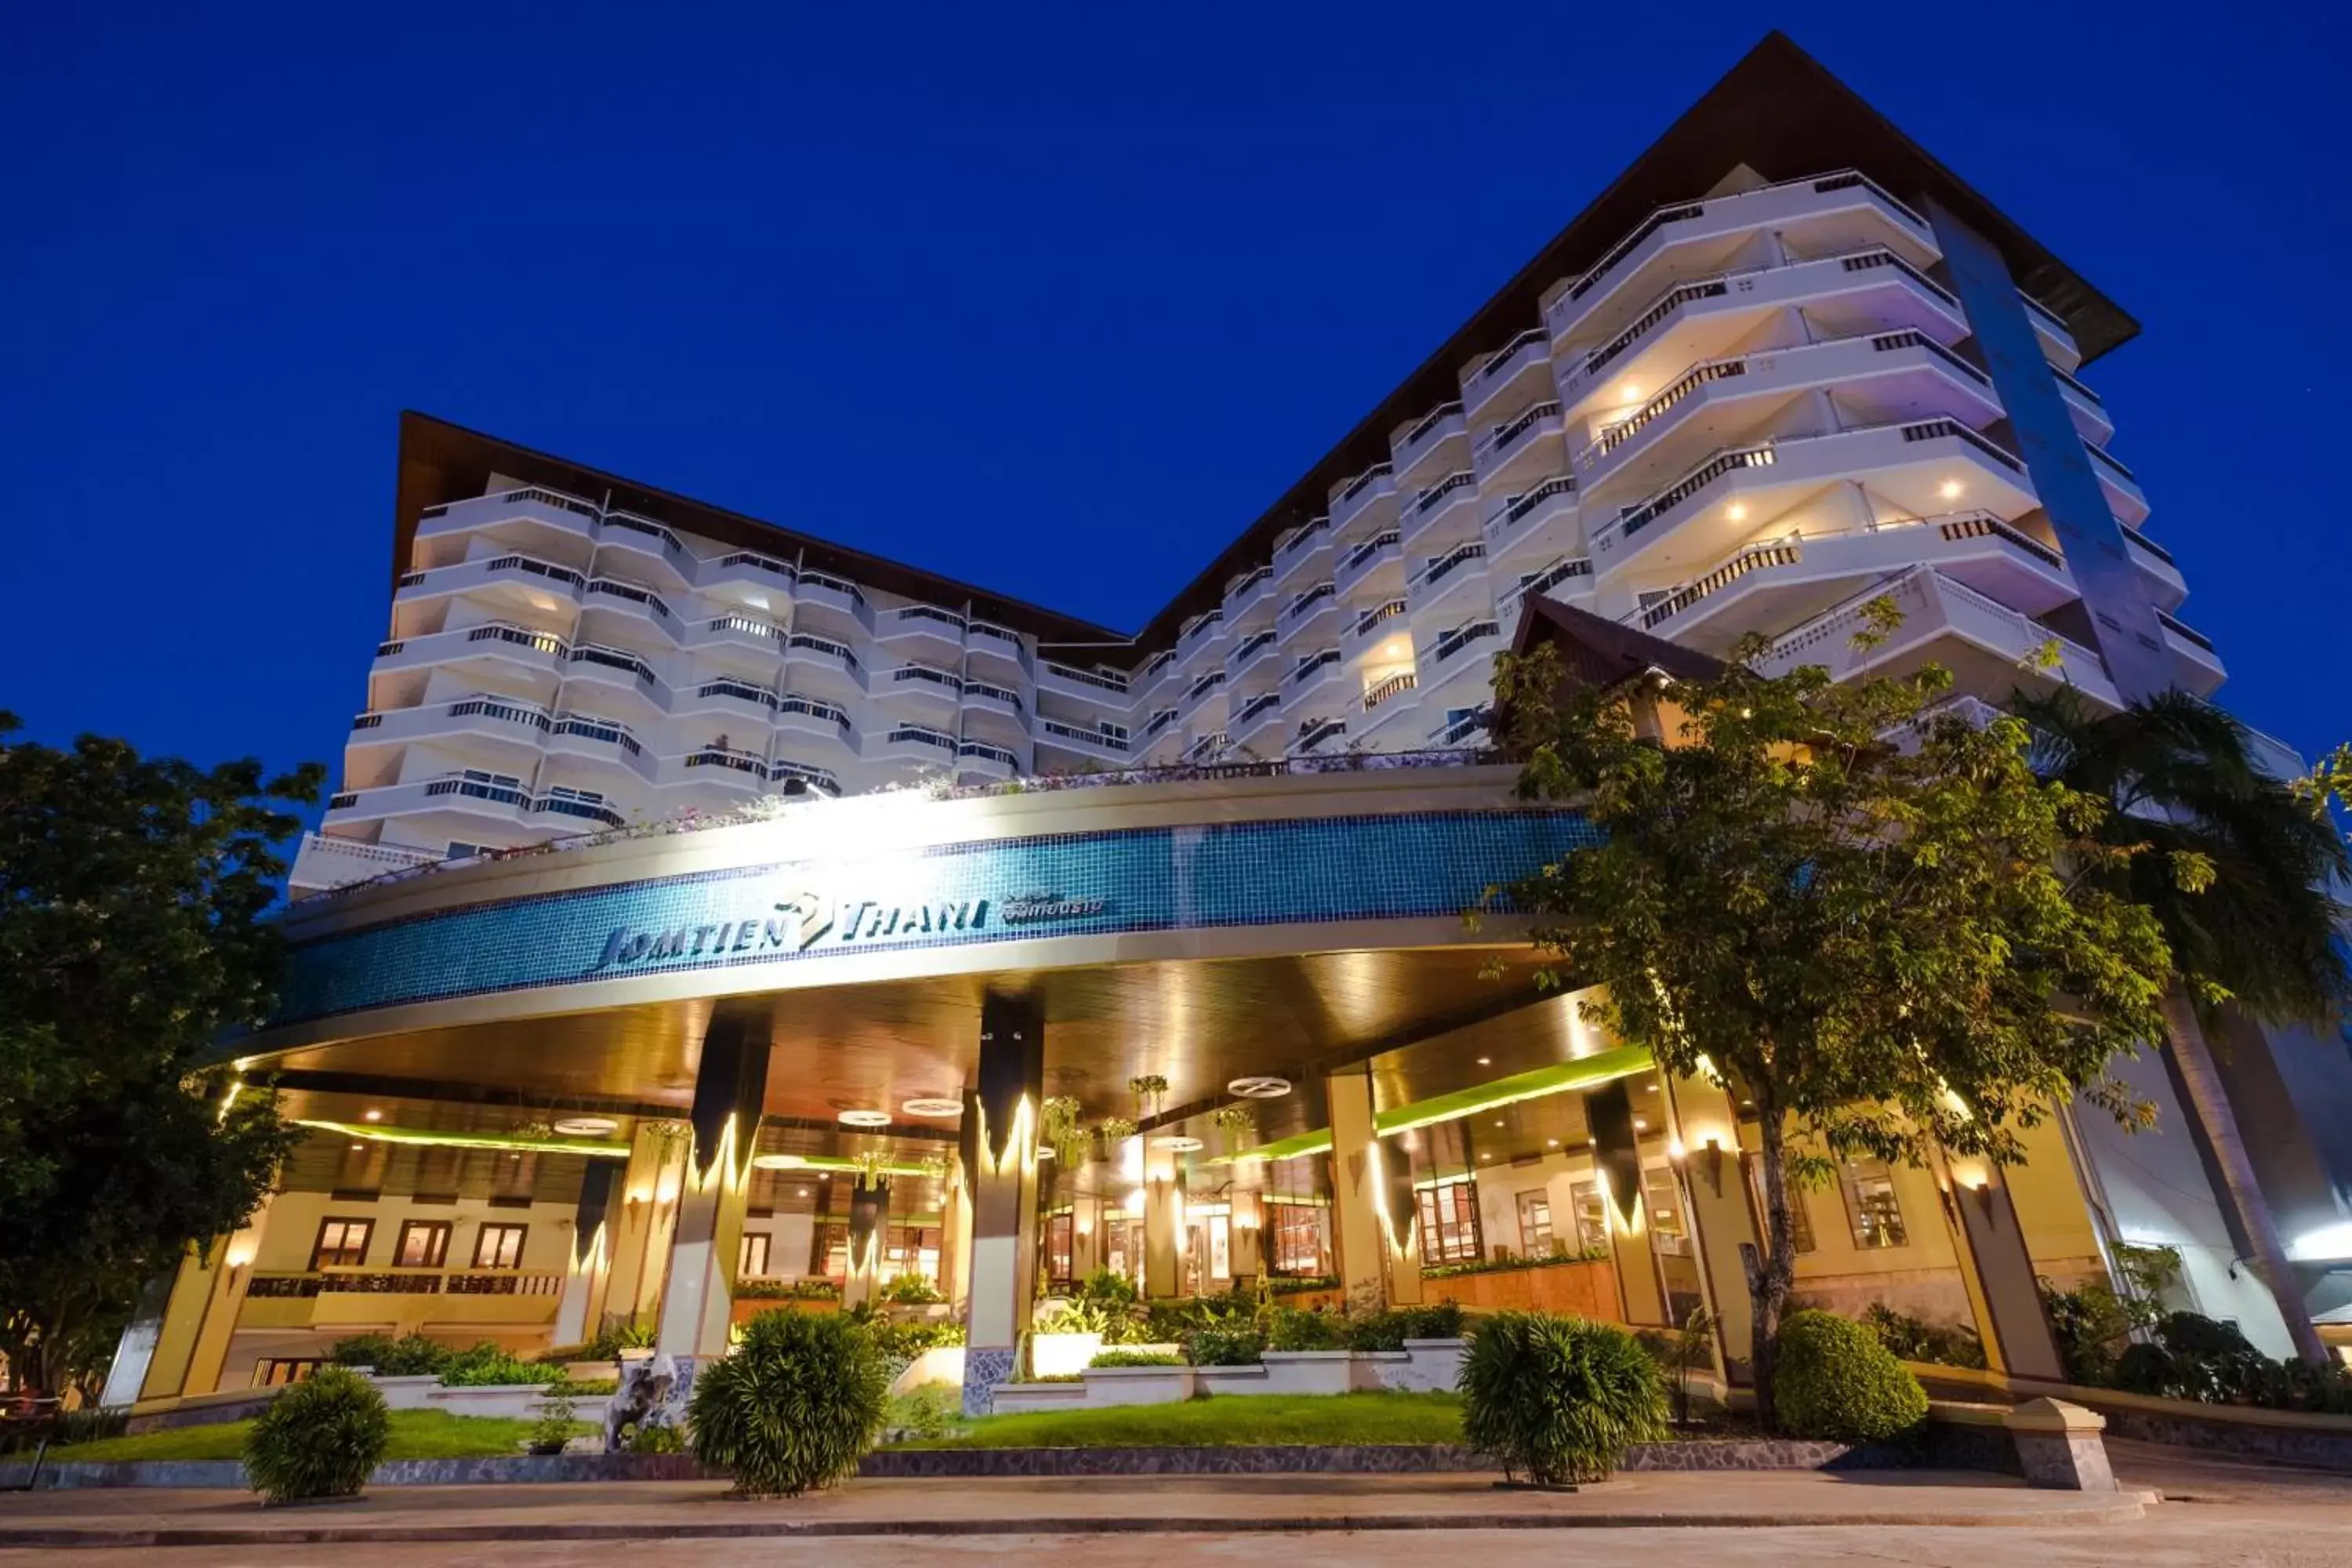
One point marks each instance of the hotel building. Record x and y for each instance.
(753, 1013)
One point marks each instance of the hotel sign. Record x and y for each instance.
(806, 920)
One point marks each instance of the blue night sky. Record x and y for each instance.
(1053, 302)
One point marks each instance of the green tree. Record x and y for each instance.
(132, 897)
(1848, 911)
(2235, 864)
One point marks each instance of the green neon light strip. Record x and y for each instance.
(426, 1136)
(1561, 1078)
(840, 1163)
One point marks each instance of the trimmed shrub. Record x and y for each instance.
(487, 1364)
(411, 1355)
(1835, 1381)
(323, 1437)
(800, 1402)
(1916, 1338)
(1289, 1328)
(1558, 1399)
(1388, 1330)
(1136, 1357)
(1226, 1344)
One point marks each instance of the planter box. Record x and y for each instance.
(1425, 1366)
(940, 1363)
(1315, 1372)
(746, 1308)
(1223, 1380)
(1014, 1398)
(516, 1401)
(407, 1393)
(1054, 1355)
(1587, 1289)
(1106, 1386)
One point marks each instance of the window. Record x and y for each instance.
(499, 1247)
(587, 797)
(1298, 1238)
(500, 781)
(342, 1243)
(1665, 1205)
(1871, 1206)
(274, 1372)
(1220, 1245)
(1535, 1223)
(1057, 1250)
(424, 1243)
(1591, 1216)
(460, 850)
(1449, 1222)
(752, 1263)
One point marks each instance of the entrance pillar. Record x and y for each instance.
(955, 1238)
(1245, 1231)
(1000, 1160)
(728, 1089)
(869, 1228)
(1617, 1159)
(639, 1235)
(191, 1343)
(1998, 1269)
(588, 1270)
(1163, 1223)
(1722, 1219)
(1377, 1217)
(1086, 1238)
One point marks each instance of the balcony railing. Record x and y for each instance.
(1722, 577)
(2093, 398)
(555, 499)
(988, 753)
(905, 615)
(403, 1282)
(1251, 647)
(1435, 572)
(920, 735)
(614, 658)
(1300, 538)
(629, 523)
(740, 691)
(1429, 499)
(840, 651)
(1205, 685)
(1501, 439)
(1310, 664)
(749, 625)
(1396, 685)
(832, 713)
(1461, 638)
(2142, 542)
(1314, 732)
(1494, 364)
(1938, 429)
(729, 758)
(992, 691)
(1455, 732)
(504, 710)
(1633, 519)
(929, 674)
(1105, 682)
(766, 564)
(588, 728)
(1300, 603)
(1264, 702)
(1376, 614)
(1109, 741)
(2186, 633)
(1369, 548)
(1544, 582)
(1199, 628)
(1363, 482)
(821, 779)
(522, 637)
(613, 587)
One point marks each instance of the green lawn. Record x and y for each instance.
(1219, 1423)
(416, 1435)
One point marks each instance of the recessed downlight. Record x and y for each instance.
(777, 1162)
(373, 1116)
(930, 1105)
(863, 1119)
(1258, 1087)
(587, 1126)
(1177, 1144)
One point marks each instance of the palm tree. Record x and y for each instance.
(2179, 779)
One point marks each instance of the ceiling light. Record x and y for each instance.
(1181, 1145)
(1498, 1122)
(863, 1119)
(931, 1105)
(1485, 1157)
(1045, 1151)
(1551, 1142)
(800, 1192)
(1640, 1125)
(357, 1147)
(777, 1162)
(1736, 511)
(1486, 1061)
(1258, 1087)
(374, 1116)
(1629, 393)
(1649, 1088)
(1949, 489)
(587, 1126)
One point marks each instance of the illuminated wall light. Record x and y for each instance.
(373, 1116)
(1949, 489)
(1736, 511)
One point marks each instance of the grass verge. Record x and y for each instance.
(1233, 1421)
(416, 1435)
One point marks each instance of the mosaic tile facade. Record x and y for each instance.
(1167, 878)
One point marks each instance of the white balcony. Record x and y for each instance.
(640, 546)
(326, 861)
(1521, 450)
(544, 585)
(619, 675)
(922, 631)
(1838, 211)
(988, 697)
(1203, 638)
(1985, 645)
(807, 721)
(758, 640)
(2196, 663)
(1096, 687)
(1254, 654)
(1446, 584)
(1384, 703)
(1442, 513)
(1706, 318)
(497, 646)
(1568, 579)
(1257, 722)
(2057, 339)
(729, 774)
(589, 740)
(1375, 566)
(530, 519)
(1379, 633)
(1903, 375)
(2158, 572)
(1302, 557)
(1310, 616)
(1437, 435)
(829, 594)
(486, 802)
(486, 722)
(1507, 380)
(1925, 467)
(920, 689)
(915, 745)
(1771, 586)
(1366, 503)
(997, 648)
(726, 699)
(1249, 601)
(1319, 738)
(616, 606)
(987, 760)
(2124, 497)
(1312, 683)
(1468, 731)
(760, 582)
(1204, 698)
(2092, 420)
(824, 664)
(1054, 735)
(1540, 521)
(1455, 657)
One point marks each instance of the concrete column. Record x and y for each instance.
(1722, 1215)
(1163, 1223)
(1617, 1160)
(200, 1314)
(1999, 1271)
(730, 1085)
(1248, 1230)
(1357, 1196)
(651, 1184)
(588, 1270)
(1000, 1160)
(869, 1231)
(955, 1238)
(1086, 1238)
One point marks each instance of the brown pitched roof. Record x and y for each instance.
(1597, 651)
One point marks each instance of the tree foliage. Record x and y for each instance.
(132, 897)
(1871, 923)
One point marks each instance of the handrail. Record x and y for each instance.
(820, 778)
(631, 523)
(501, 709)
(930, 613)
(1436, 571)
(1077, 732)
(768, 563)
(1256, 706)
(1387, 540)
(1086, 677)
(590, 728)
(756, 627)
(930, 674)
(920, 735)
(834, 646)
(2076, 383)
(507, 631)
(1461, 637)
(1206, 684)
(1755, 559)
(1395, 685)
(1250, 645)
(1309, 664)
(2136, 537)
(620, 588)
(1378, 613)
(2102, 455)
(1428, 422)
(989, 689)
(742, 690)
(1246, 581)
(1913, 337)
(993, 753)
(1315, 732)
(1503, 434)
(1494, 362)
(1460, 479)
(1933, 429)
(1379, 471)
(1301, 602)
(2174, 625)
(814, 708)
(615, 658)
(1298, 538)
